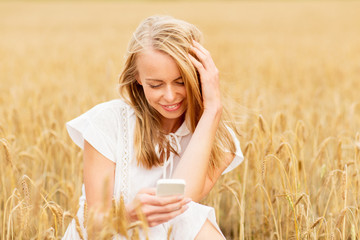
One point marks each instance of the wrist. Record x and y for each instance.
(214, 111)
(130, 213)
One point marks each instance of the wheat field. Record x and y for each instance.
(290, 68)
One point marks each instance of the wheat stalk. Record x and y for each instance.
(26, 203)
(169, 232)
(315, 112)
(299, 199)
(340, 218)
(344, 196)
(78, 227)
(8, 157)
(263, 125)
(317, 221)
(85, 214)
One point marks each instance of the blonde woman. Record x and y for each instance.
(167, 124)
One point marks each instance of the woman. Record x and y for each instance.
(167, 124)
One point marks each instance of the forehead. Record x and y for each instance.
(153, 63)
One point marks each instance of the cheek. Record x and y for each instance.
(150, 95)
(184, 93)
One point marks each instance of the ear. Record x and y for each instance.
(137, 77)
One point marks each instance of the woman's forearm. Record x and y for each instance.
(194, 163)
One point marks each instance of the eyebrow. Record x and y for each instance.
(159, 80)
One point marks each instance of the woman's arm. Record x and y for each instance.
(210, 181)
(193, 165)
(99, 177)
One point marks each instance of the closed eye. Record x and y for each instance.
(154, 86)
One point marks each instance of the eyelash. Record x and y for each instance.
(156, 86)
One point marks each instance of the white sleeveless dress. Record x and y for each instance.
(109, 128)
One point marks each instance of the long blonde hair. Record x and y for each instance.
(173, 37)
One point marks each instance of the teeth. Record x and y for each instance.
(172, 106)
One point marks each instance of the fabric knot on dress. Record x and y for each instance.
(175, 144)
(174, 141)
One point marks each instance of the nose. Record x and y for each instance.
(169, 94)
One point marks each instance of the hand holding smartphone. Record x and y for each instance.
(167, 187)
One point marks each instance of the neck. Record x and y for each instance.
(171, 125)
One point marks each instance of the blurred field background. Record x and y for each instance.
(291, 67)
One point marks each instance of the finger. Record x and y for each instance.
(151, 191)
(161, 218)
(147, 199)
(204, 51)
(149, 210)
(204, 58)
(198, 65)
(201, 48)
(200, 55)
(174, 206)
(131, 211)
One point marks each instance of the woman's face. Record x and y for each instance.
(163, 85)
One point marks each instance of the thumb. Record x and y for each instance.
(151, 191)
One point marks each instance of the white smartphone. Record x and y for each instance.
(167, 187)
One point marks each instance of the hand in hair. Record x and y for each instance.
(194, 163)
(209, 77)
(156, 209)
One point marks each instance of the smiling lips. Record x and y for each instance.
(173, 107)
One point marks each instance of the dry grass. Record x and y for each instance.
(291, 67)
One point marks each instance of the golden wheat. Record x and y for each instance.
(290, 67)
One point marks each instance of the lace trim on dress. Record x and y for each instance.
(122, 158)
